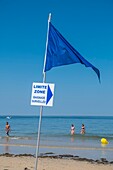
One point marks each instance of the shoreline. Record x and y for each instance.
(58, 146)
(93, 153)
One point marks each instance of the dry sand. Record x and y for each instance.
(28, 163)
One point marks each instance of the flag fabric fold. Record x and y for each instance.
(60, 52)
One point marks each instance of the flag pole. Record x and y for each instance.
(44, 75)
(41, 107)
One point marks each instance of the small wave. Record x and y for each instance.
(21, 137)
(79, 136)
(16, 137)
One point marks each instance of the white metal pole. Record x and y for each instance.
(41, 108)
(38, 138)
(44, 75)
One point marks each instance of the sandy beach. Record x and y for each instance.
(12, 162)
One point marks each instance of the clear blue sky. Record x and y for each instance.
(88, 27)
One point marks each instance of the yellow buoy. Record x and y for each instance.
(104, 141)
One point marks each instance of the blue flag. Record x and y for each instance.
(60, 52)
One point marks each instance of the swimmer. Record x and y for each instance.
(83, 129)
(7, 128)
(72, 129)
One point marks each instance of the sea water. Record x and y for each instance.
(55, 134)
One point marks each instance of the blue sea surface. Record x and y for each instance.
(55, 133)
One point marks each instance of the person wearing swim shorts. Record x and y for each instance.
(7, 128)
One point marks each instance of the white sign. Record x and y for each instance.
(42, 94)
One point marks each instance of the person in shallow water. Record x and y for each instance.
(72, 129)
(7, 128)
(82, 129)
